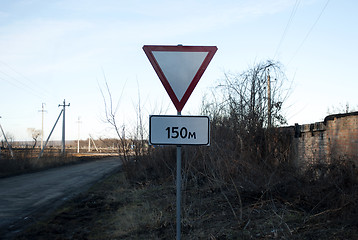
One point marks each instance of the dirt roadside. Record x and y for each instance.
(27, 198)
(117, 208)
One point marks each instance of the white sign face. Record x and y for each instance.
(180, 68)
(179, 130)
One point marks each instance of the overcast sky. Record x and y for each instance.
(56, 50)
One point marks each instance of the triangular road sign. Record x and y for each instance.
(179, 68)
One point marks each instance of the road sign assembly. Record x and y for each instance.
(179, 68)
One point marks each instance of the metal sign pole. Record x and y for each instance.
(178, 188)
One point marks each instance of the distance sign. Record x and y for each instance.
(179, 130)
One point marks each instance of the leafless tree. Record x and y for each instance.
(138, 138)
(248, 95)
(35, 133)
(240, 133)
(340, 108)
(111, 117)
(245, 150)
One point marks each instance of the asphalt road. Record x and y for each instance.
(26, 198)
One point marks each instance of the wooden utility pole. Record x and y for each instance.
(63, 126)
(268, 99)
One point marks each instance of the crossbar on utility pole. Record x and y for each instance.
(63, 126)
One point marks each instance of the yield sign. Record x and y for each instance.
(179, 68)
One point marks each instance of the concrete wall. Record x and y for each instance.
(335, 137)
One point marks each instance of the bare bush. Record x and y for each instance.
(240, 128)
(111, 118)
(246, 175)
(243, 147)
(251, 97)
(35, 134)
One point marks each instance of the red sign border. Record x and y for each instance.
(148, 49)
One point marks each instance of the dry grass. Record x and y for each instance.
(26, 160)
(231, 190)
(123, 208)
(113, 209)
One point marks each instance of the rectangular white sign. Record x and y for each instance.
(179, 130)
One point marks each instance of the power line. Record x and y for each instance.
(293, 13)
(30, 86)
(20, 74)
(309, 32)
(22, 86)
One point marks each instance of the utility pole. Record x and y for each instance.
(268, 99)
(42, 125)
(42, 150)
(89, 145)
(8, 144)
(63, 126)
(78, 138)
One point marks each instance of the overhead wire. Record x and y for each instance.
(293, 13)
(43, 91)
(26, 85)
(309, 32)
(18, 84)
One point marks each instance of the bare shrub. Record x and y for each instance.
(157, 165)
(247, 172)
(243, 147)
(333, 187)
(110, 117)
